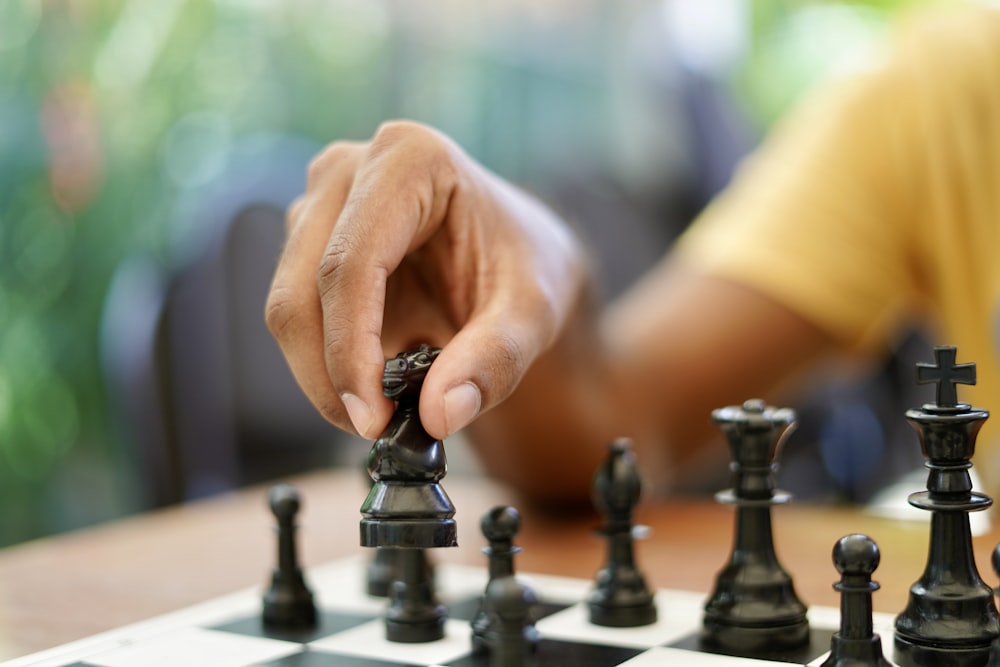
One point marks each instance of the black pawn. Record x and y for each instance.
(621, 597)
(510, 603)
(288, 603)
(414, 615)
(754, 609)
(499, 526)
(856, 645)
(382, 571)
(994, 660)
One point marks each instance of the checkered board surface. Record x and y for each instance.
(226, 632)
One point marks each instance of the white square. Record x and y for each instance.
(195, 647)
(678, 615)
(661, 655)
(368, 641)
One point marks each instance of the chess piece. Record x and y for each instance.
(288, 603)
(509, 603)
(621, 597)
(414, 614)
(950, 618)
(382, 571)
(994, 660)
(406, 506)
(499, 526)
(383, 568)
(856, 644)
(753, 608)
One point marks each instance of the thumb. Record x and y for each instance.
(479, 368)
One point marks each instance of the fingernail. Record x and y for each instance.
(361, 415)
(461, 405)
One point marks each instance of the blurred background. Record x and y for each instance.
(148, 148)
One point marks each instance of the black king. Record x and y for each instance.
(950, 619)
(406, 507)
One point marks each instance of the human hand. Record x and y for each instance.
(405, 240)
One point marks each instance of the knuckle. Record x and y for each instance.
(411, 138)
(394, 131)
(432, 162)
(336, 257)
(446, 172)
(326, 161)
(294, 212)
(319, 165)
(336, 342)
(281, 313)
(505, 365)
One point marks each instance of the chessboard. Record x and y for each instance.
(448, 615)
(228, 632)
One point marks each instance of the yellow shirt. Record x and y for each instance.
(878, 203)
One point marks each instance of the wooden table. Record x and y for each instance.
(71, 586)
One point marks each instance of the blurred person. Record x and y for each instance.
(875, 205)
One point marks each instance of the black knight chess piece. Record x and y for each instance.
(383, 567)
(288, 603)
(950, 618)
(621, 597)
(406, 510)
(856, 644)
(407, 507)
(754, 608)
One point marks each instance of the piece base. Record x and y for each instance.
(622, 617)
(415, 632)
(856, 652)
(288, 603)
(736, 639)
(907, 653)
(409, 533)
(293, 615)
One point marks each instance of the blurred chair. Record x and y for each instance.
(200, 391)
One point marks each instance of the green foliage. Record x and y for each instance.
(111, 111)
(796, 44)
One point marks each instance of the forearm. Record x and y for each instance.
(651, 368)
(550, 435)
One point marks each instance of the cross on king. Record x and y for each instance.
(946, 374)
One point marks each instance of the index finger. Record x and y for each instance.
(293, 312)
(399, 197)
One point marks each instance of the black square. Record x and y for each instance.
(465, 609)
(819, 643)
(312, 658)
(328, 623)
(557, 653)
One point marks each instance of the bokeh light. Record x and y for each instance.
(19, 20)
